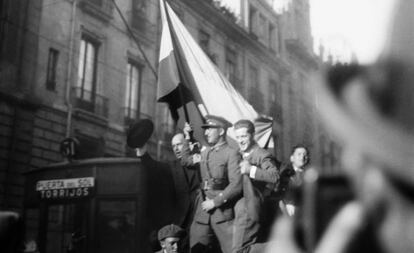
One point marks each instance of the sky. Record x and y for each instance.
(347, 26)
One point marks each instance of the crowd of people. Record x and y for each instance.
(229, 196)
(369, 109)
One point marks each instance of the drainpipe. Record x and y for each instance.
(69, 71)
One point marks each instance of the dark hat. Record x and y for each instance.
(170, 231)
(371, 107)
(216, 122)
(139, 133)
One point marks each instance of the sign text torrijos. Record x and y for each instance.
(65, 188)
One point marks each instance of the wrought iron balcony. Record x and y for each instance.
(90, 101)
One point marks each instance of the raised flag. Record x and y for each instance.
(187, 76)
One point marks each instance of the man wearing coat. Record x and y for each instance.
(291, 179)
(221, 188)
(260, 174)
(175, 184)
(186, 179)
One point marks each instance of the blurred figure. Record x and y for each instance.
(291, 178)
(370, 110)
(170, 238)
(11, 232)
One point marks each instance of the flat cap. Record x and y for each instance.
(216, 122)
(171, 230)
(139, 133)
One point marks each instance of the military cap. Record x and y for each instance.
(139, 133)
(216, 122)
(171, 230)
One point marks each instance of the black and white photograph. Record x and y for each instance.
(206, 126)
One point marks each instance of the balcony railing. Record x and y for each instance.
(90, 101)
(101, 9)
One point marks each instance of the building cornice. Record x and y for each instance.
(296, 48)
(26, 100)
(237, 33)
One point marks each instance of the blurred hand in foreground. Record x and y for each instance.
(335, 239)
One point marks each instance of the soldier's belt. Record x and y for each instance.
(214, 184)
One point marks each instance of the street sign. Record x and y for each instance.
(68, 147)
(65, 188)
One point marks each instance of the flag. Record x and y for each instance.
(187, 76)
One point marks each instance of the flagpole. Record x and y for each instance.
(179, 64)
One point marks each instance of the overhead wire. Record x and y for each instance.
(135, 39)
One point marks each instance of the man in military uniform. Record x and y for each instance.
(170, 238)
(260, 174)
(221, 188)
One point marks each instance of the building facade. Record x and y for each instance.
(77, 68)
(268, 56)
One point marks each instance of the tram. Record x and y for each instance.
(103, 205)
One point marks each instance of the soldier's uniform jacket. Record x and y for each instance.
(221, 181)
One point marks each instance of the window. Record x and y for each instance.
(262, 28)
(117, 225)
(204, 41)
(139, 18)
(100, 9)
(275, 108)
(252, 20)
(66, 225)
(255, 95)
(167, 125)
(88, 57)
(132, 91)
(51, 69)
(87, 88)
(272, 91)
(254, 76)
(231, 66)
(272, 37)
